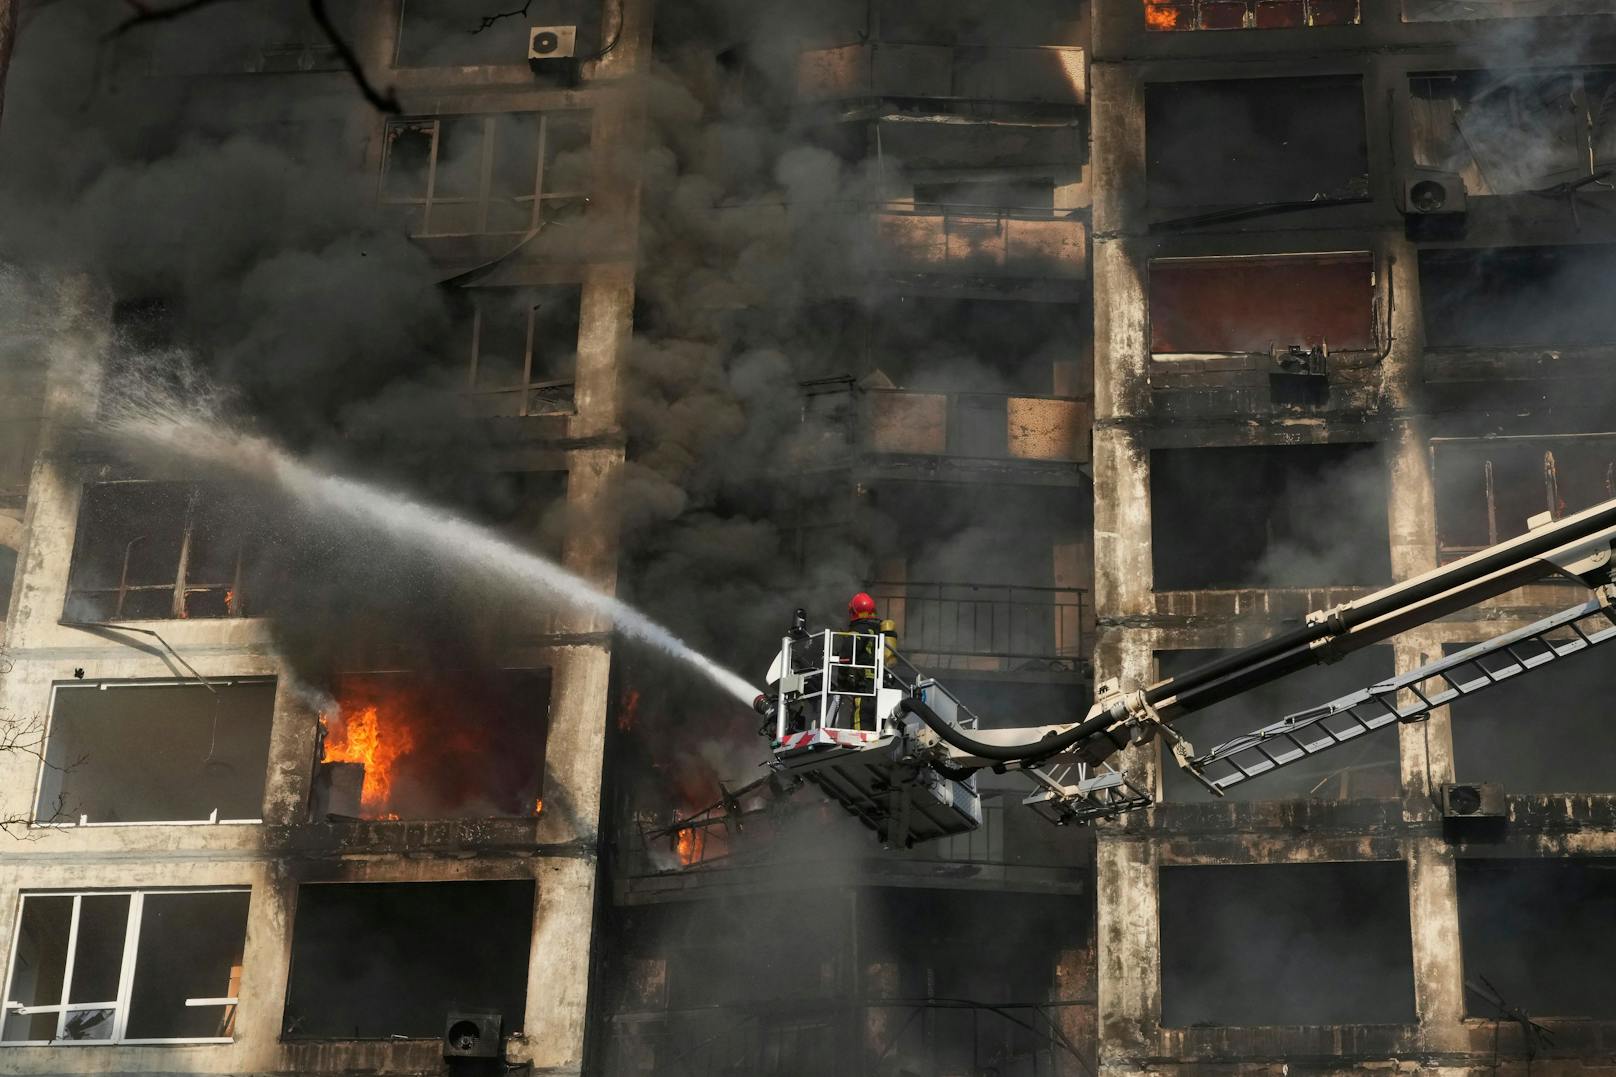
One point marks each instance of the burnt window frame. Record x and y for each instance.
(60, 822)
(540, 198)
(1377, 279)
(544, 396)
(237, 604)
(1583, 119)
(1551, 499)
(1251, 15)
(129, 966)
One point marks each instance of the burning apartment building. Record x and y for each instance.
(1091, 340)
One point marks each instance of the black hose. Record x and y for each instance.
(1292, 645)
(1004, 753)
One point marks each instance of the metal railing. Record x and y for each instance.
(947, 625)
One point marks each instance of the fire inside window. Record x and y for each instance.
(1487, 488)
(478, 175)
(156, 966)
(1248, 14)
(158, 550)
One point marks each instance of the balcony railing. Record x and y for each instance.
(981, 241)
(1049, 75)
(978, 626)
(981, 426)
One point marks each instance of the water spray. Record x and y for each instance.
(152, 421)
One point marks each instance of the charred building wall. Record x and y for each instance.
(1255, 181)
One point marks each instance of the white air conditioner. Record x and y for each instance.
(552, 43)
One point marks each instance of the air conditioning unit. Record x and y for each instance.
(472, 1035)
(1473, 800)
(1428, 193)
(552, 43)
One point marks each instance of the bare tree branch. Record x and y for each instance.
(145, 14)
(387, 102)
(489, 20)
(27, 737)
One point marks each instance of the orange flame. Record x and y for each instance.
(628, 710)
(360, 740)
(1160, 16)
(690, 844)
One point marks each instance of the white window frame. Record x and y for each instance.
(126, 975)
(107, 685)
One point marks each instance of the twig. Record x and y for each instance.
(145, 14)
(387, 102)
(489, 20)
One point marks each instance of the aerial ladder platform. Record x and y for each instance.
(898, 751)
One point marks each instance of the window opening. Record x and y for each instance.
(473, 175)
(153, 966)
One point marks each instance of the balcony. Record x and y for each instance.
(1048, 75)
(982, 241)
(964, 626)
(913, 435)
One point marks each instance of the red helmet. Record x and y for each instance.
(860, 605)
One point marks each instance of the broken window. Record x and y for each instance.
(1363, 769)
(1248, 14)
(989, 192)
(1258, 304)
(1505, 132)
(450, 33)
(1256, 141)
(1500, 297)
(155, 966)
(1487, 488)
(1546, 733)
(450, 744)
(1542, 933)
(521, 349)
(474, 175)
(126, 752)
(1286, 944)
(1269, 516)
(157, 550)
(385, 960)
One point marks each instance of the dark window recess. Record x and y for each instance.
(139, 753)
(474, 175)
(968, 22)
(190, 949)
(1508, 132)
(157, 550)
(374, 960)
(1248, 14)
(1473, 10)
(1487, 488)
(1269, 516)
(1286, 944)
(450, 744)
(186, 963)
(971, 345)
(1255, 141)
(520, 349)
(1010, 976)
(1257, 304)
(1547, 732)
(1499, 297)
(444, 33)
(1007, 192)
(8, 572)
(1542, 932)
(1364, 769)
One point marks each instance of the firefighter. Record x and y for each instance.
(863, 620)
